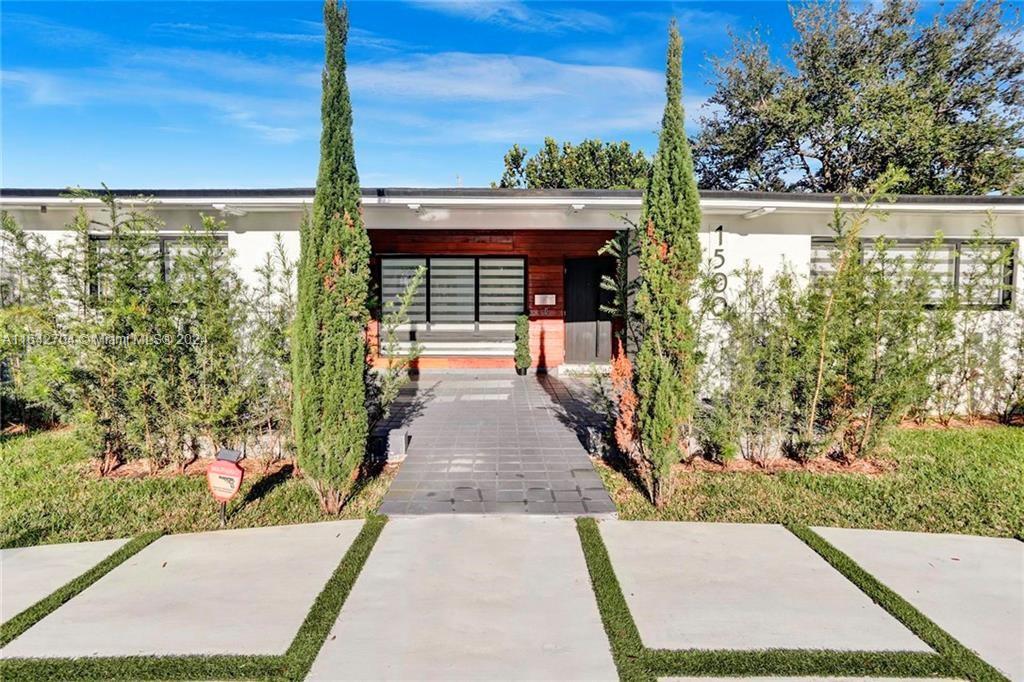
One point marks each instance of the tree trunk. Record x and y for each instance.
(109, 461)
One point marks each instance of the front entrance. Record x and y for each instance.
(588, 330)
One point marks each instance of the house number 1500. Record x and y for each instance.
(719, 280)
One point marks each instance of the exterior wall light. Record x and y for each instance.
(758, 212)
(230, 210)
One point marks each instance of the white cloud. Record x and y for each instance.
(226, 66)
(451, 76)
(225, 32)
(40, 87)
(493, 98)
(263, 116)
(269, 133)
(400, 99)
(522, 16)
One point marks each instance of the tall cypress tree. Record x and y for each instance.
(329, 360)
(669, 257)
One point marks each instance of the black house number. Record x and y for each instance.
(719, 280)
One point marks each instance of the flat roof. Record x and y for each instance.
(510, 194)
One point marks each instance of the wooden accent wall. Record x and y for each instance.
(545, 252)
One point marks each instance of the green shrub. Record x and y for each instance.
(272, 306)
(827, 367)
(383, 387)
(751, 387)
(523, 359)
(330, 368)
(665, 365)
(154, 360)
(211, 317)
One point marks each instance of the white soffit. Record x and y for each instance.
(565, 204)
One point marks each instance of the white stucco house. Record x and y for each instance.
(493, 254)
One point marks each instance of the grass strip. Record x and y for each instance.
(292, 665)
(963, 661)
(324, 612)
(795, 662)
(627, 648)
(141, 668)
(47, 605)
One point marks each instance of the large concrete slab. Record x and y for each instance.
(971, 587)
(28, 574)
(228, 592)
(742, 586)
(470, 598)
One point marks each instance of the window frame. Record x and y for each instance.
(957, 244)
(476, 279)
(161, 240)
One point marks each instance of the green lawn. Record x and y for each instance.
(954, 481)
(47, 494)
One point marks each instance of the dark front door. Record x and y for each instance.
(588, 330)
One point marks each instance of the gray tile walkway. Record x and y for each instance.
(495, 443)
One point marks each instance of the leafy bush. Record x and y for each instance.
(827, 367)
(154, 360)
(751, 399)
(272, 306)
(383, 387)
(523, 359)
(978, 362)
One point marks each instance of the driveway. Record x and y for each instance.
(496, 443)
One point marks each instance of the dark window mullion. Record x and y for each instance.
(427, 302)
(163, 259)
(956, 268)
(476, 290)
(1011, 267)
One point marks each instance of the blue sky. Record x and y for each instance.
(227, 94)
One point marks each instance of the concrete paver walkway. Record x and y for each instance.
(495, 443)
(971, 587)
(470, 598)
(229, 592)
(509, 597)
(27, 574)
(742, 586)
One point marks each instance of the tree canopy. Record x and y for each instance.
(591, 164)
(867, 88)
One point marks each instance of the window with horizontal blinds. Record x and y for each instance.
(452, 289)
(461, 290)
(502, 287)
(395, 275)
(954, 265)
(983, 280)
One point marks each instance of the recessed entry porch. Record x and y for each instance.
(479, 281)
(495, 442)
